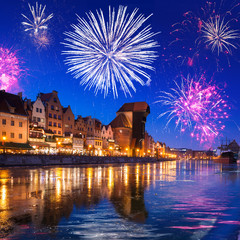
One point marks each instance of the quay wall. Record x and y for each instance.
(45, 160)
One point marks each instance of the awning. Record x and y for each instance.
(39, 144)
(12, 145)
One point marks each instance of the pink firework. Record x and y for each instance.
(10, 70)
(208, 38)
(196, 105)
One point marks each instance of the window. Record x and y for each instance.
(55, 100)
(20, 124)
(68, 118)
(54, 132)
(4, 134)
(40, 110)
(12, 123)
(42, 120)
(59, 132)
(34, 119)
(38, 119)
(12, 135)
(50, 123)
(36, 109)
(59, 117)
(59, 125)
(55, 116)
(50, 115)
(20, 136)
(3, 121)
(54, 124)
(71, 126)
(57, 109)
(52, 107)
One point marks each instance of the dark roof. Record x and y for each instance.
(45, 97)
(120, 121)
(65, 109)
(106, 126)
(10, 103)
(134, 107)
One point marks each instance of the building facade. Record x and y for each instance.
(129, 127)
(53, 110)
(13, 119)
(68, 121)
(38, 113)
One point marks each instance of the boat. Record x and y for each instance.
(226, 157)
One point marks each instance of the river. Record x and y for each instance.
(165, 200)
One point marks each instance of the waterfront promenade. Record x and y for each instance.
(45, 160)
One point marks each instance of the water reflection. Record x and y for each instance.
(42, 197)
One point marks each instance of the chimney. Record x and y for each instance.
(29, 102)
(20, 94)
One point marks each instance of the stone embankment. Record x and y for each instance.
(45, 160)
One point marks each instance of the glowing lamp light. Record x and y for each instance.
(4, 138)
(137, 150)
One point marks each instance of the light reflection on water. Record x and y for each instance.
(166, 200)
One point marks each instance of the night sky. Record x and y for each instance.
(46, 71)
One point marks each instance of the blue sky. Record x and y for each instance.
(46, 70)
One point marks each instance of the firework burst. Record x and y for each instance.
(38, 25)
(106, 53)
(206, 39)
(217, 34)
(197, 106)
(10, 70)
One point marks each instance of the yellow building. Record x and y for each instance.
(13, 122)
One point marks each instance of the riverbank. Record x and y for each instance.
(46, 160)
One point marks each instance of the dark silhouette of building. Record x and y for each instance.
(129, 127)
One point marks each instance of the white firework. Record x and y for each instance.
(39, 22)
(218, 34)
(104, 53)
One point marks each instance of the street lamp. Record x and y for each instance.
(89, 147)
(4, 138)
(138, 152)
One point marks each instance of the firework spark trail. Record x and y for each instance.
(197, 106)
(39, 22)
(38, 25)
(104, 53)
(10, 70)
(208, 37)
(217, 34)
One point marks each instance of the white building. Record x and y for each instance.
(107, 136)
(38, 113)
